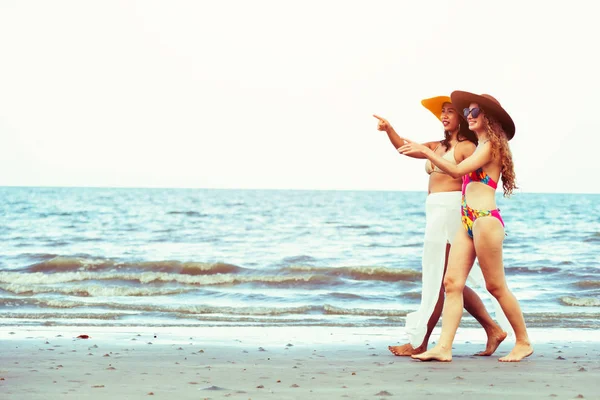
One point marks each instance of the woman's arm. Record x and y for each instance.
(464, 150)
(477, 160)
(397, 140)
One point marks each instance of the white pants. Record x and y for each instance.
(443, 219)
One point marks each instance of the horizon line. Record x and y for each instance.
(257, 189)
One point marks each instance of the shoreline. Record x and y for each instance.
(317, 335)
(282, 363)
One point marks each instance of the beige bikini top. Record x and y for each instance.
(449, 155)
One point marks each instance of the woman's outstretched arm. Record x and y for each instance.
(477, 160)
(397, 140)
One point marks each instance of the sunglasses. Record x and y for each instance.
(473, 111)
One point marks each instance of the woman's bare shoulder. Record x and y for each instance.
(465, 148)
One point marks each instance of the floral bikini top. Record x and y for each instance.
(478, 175)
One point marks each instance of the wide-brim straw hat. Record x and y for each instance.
(435, 104)
(490, 106)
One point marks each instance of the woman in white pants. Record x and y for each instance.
(443, 219)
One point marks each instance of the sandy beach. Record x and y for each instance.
(281, 363)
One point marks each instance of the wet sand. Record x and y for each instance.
(281, 363)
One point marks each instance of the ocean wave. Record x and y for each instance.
(299, 259)
(59, 320)
(71, 316)
(595, 237)
(382, 245)
(64, 214)
(57, 243)
(61, 270)
(552, 316)
(588, 284)
(57, 312)
(356, 226)
(563, 320)
(241, 322)
(332, 310)
(533, 270)
(119, 319)
(361, 273)
(15, 301)
(378, 233)
(191, 309)
(580, 301)
(61, 264)
(93, 290)
(39, 278)
(39, 256)
(411, 295)
(179, 309)
(551, 320)
(71, 264)
(345, 296)
(188, 268)
(187, 213)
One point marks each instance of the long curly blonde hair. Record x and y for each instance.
(501, 150)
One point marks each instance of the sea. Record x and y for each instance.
(209, 257)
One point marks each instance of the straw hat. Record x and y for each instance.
(435, 104)
(490, 105)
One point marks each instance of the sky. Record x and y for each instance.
(280, 94)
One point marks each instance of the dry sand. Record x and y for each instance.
(282, 363)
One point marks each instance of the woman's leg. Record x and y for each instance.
(462, 256)
(420, 324)
(439, 306)
(475, 307)
(488, 240)
(473, 304)
(407, 349)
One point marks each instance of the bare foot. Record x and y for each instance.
(519, 352)
(493, 342)
(435, 354)
(406, 350)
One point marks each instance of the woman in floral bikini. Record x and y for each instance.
(483, 233)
